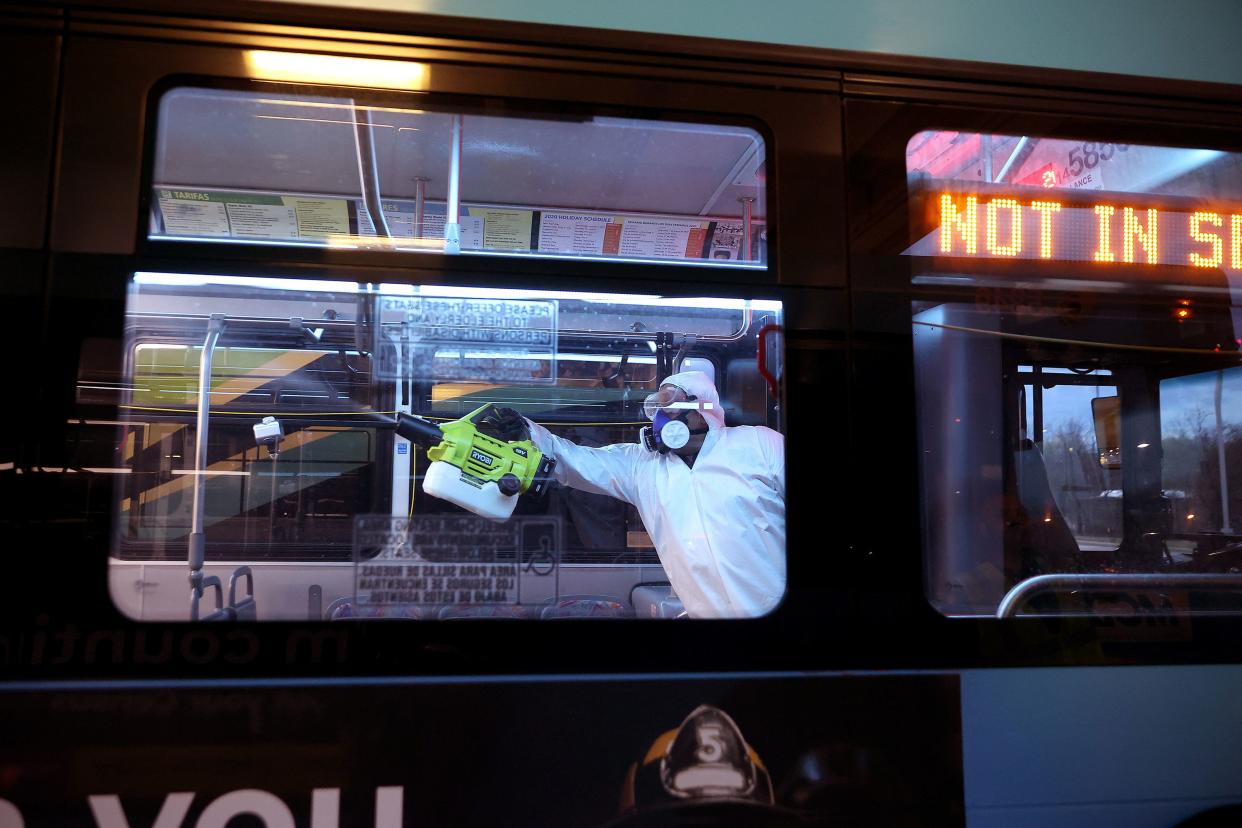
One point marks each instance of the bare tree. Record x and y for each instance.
(1074, 472)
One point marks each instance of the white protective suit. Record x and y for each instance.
(719, 527)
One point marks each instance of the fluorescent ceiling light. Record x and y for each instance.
(300, 67)
(202, 280)
(454, 292)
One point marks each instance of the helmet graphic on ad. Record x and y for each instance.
(708, 758)
(702, 773)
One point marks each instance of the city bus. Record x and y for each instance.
(309, 304)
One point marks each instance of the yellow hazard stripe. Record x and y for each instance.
(181, 482)
(281, 365)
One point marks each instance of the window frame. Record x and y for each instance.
(483, 103)
(876, 163)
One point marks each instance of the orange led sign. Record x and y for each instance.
(1006, 226)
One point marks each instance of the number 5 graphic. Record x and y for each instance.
(711, 744)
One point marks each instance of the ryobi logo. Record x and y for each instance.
(480, 457)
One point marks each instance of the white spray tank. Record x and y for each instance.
(476, 471)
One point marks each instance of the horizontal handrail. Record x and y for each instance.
(1106, 581)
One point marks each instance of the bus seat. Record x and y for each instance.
(586, 606)
(221, 612)
(343, 609)
(483, 611)
(656, 600)
(1046, 542)
(246, 609)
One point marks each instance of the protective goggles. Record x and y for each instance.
(673, 402)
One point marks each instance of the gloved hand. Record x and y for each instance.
(505, 424)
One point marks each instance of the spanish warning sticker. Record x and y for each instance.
(455, 564)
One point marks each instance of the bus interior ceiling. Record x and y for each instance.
(307, 144)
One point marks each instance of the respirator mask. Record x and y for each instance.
(667, 409)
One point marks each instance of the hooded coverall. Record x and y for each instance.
(719, 526)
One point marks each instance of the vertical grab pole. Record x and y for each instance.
(368, 171)
(403, 449)
(1226, 524)
(748, 207)
(452, 218)
(420, 205)
(198, 540)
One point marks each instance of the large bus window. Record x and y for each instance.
(379, 451)
(277, 166)
(1076, 352)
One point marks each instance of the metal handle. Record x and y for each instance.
(234, 578)
(368, 170)
(1108, 581)
(762, 359)
(196, 594)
